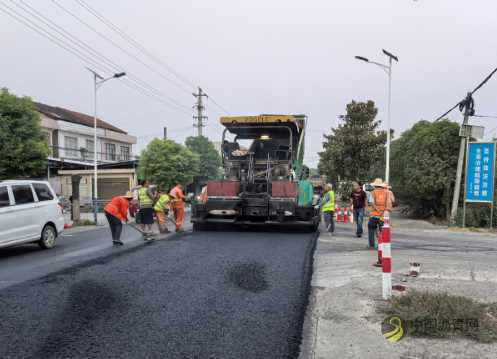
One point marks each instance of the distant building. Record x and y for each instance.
(70, 138)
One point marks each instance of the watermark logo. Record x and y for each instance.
(393, 328)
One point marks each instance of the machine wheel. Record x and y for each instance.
(48, 236)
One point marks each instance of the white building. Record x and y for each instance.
(70, 136)
(70, 139)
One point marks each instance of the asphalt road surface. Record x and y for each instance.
(198, 295)
(21, 263)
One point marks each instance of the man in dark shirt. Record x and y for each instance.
(358, 201)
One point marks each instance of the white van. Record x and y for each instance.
(29, 212)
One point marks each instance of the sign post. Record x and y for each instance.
(480, 173)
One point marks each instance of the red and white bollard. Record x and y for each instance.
(386, 257)
(380, 249)
(339, 215)
(346, 215)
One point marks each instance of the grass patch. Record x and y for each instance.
(441, 315)
(83, 222)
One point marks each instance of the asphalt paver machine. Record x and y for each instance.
(264, 179)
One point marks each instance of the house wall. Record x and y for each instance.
(85, 188)
(58, 130)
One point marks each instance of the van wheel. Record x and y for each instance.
(48, 236)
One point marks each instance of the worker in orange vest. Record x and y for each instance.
(178, 205)
(381, 203)
(116, 212)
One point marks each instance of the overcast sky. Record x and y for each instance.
(261, 56)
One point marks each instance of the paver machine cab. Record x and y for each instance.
(264, 177)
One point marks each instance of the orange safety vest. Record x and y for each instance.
(380, 201)
(177, 201)
(118, 207)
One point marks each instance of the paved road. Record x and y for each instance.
(18, 264)
(200, 295)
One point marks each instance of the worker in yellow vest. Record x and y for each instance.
(328, 208)
(161, 209)
(146, 199)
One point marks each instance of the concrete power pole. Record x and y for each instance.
(165, 133)
(200, 111)
(468, 111)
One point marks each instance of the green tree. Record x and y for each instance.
(165, 162)
(355, 149)
(23, 147)
(424, 162)
(210, 159)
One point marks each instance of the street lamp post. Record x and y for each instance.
(388, 70)
(97, 81)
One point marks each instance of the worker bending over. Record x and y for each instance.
(161, 209)
(116, 212)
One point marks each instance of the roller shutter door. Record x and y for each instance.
(111, 187)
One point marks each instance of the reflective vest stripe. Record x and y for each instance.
(161, 204)
(329, 206)
(143, 198)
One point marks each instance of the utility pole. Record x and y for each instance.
(200, 111)
(467, 103)
(165, 133)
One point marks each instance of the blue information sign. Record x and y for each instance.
(480, 172)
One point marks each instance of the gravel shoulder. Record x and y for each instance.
(342, 321)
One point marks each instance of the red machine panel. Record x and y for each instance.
(223, 188)
(287, 189)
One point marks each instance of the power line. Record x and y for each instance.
(133, 42)
(115, 44)
(218, 105)
(461, 103)
(485, 116)
(140, 47)
(143, 88)
(33, 12)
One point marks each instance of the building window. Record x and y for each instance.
(110, 149)
(90, 148)
(124, 153)
(71, 144)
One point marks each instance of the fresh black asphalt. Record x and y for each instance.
(21, 263)
(198, 295)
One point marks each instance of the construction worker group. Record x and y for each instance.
(377, 202)
(151, 203)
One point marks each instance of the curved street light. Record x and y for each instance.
(97, 82)
(388, 70)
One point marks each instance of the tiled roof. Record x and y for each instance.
(58, 113)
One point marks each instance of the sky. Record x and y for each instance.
(253, 57)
